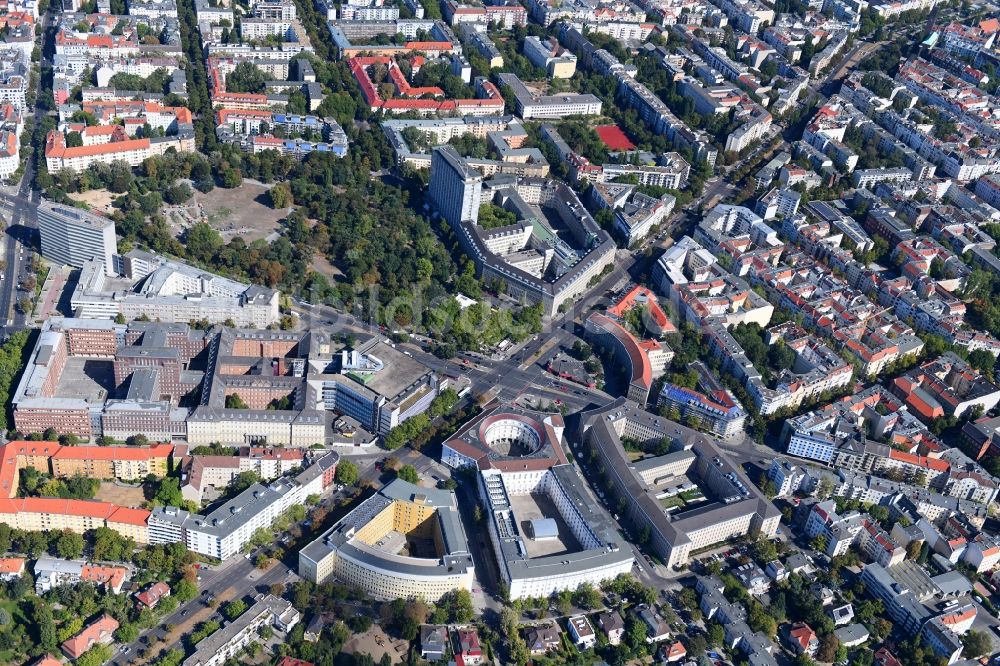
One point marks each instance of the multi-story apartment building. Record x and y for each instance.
(818, 369)
(750, 16)
(645, 359)
(671, 172)
(636, 214)
(226, 530)
(946, 386)
(550, 56)
(456, 189)
(198, 472)
(718, 413)
(37, 514)
(229, 641)
(504, 16)
(124, 463)
(14, 65)
(59, 156)
(840, 532)
(51, 572)
(474, 36)
(988, 188)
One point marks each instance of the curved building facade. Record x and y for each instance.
(403, 542)
(645, 359)
(525, 477)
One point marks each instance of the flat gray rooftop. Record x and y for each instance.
(527, 508)
(87, 379)
(913, 577)
(400, 371)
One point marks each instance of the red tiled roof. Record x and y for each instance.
(112, 577)
(885, 658)
(642, 373)
(429, 46)
(129, 516)
(651, 303)
(919, 461)
(113, 452)
(90, 636)
(48, 660)
(152, 595)
(55, 146)
(802, 634)
(11, 565)
(223, 114)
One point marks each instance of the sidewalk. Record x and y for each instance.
(48, 298)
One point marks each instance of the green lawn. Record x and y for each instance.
(692, 496)
(670, 502)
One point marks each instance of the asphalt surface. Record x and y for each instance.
(21, 204)
(214, 581)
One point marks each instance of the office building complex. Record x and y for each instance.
(533, 261)
(249, 387)
(145, 285)
(374, 384)
(529, 105)
(690, 498)
(73, 237)
(546, 535)
(403, 542)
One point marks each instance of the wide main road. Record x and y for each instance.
(237, 573)
(21, 204)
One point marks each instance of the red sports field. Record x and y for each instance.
(614, 138)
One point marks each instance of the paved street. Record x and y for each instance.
(215, 582)
(19, 205)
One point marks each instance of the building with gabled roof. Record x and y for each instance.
(613, 626)
(98, 632)
(47, 660)
(946, 386)
(151, 596)
(433, 641)
(468, 649)
(801, 638)
(542, 638)
(11, 567)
